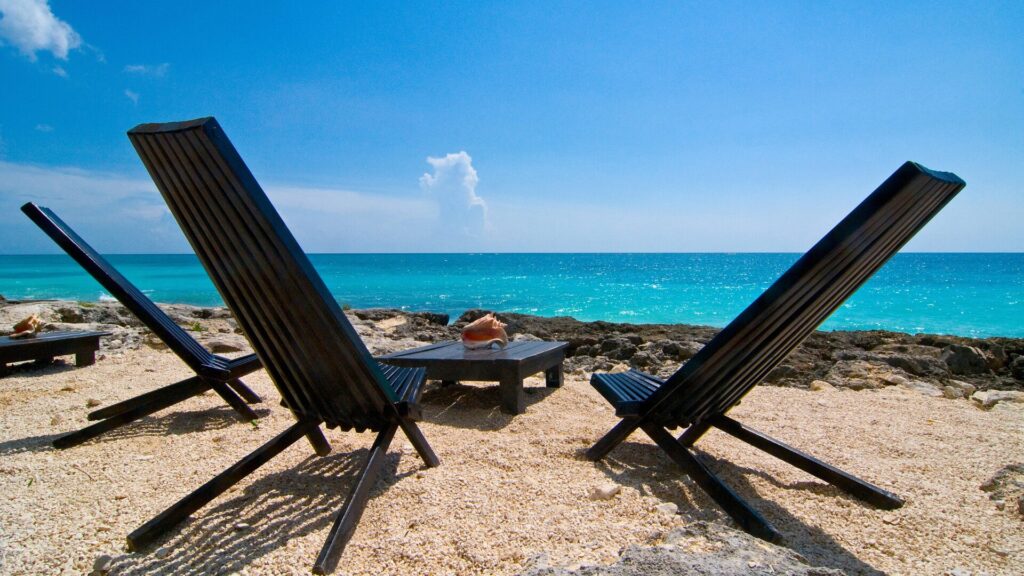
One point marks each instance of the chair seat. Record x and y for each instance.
(626, 391)
(406, 382)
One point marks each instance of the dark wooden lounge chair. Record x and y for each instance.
(699, 394)
(212, 371)
(313, 354)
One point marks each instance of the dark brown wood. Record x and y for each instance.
(43, 347)
(451, 362)
(156, 401)
(699, 394)
(347, 520)
(851, 484)
(747, 518)
(312, 353)
(215, 370)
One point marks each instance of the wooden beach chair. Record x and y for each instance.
(316, 359)
(212, 371)
(700, 393)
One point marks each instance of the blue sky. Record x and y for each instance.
(469, 127)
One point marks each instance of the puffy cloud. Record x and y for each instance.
(133, 96)
(30, 26)
(157, 70)
(453, 185)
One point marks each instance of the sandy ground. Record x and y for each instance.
(508, 488)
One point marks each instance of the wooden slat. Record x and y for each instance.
(309, 348)
(761, 337)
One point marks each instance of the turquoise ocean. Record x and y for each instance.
(964, 293)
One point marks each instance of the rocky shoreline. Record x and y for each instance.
(987, 370)
(533, 461)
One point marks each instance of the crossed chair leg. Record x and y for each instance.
(117, 415)
(679, 450)
(346, 521)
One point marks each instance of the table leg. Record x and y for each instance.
(85, 358)
(554, 376)
(513, 400)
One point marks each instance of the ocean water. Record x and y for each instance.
(963, 294)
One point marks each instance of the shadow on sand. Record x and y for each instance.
(475, 406)
(646, 468)
(243, 526)
(169, 424)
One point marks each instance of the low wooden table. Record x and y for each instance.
(45, 345)
(451, 362)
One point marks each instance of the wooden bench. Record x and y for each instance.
(45, 346)
(450, 362)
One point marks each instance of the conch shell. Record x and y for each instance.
(27, 327)
(483, 332)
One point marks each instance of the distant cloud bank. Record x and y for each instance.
(31, 27)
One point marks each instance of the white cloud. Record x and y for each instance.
(157, 70)
(133, 96)
(60, 71)
(453, 186)
(44, 128)
(30, 26)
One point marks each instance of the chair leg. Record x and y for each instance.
(851, 484)
(345, 524)
(167, 396)
(234, 401)
(748, 518)
(167, 519)
(188, 389)
(693, 433)
(412, 432)
(613, 438)
(319, 442)
(244, 391)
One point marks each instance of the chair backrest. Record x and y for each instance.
(309, 348)
(176, 338)
(761, 337)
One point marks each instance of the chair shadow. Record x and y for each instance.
(473, 406)
(228, 536)
(169, 424)
(646, 468)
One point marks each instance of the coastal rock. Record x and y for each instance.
(224, 345)
(605, 491)
(102, 564)
(702, 549)
(964, 360)
(820, 385)
(154, 342)
(1007, 485)
(856, 375)
(70, 315)
(989, 398)
(966, 389)
(643, 360)
(1017, 368)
